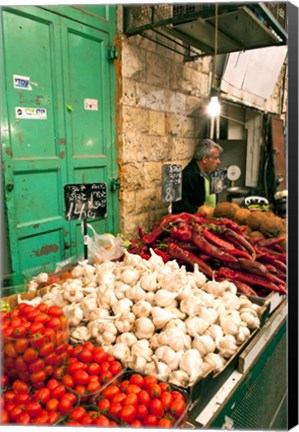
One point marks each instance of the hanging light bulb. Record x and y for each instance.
(214, 106)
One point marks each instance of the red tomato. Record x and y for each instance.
(42, 317)
(99, 355)
(115, 409)
(42, 307)
(165, 386)
(49, 369)
(89, 345)
(177, 407)
(71, 397)
(177, 395)
(105, 365)
(110, 391)
(141, 411)
(4, 381)
(77, 413)
(20, 386)
(119, 397)
(136, 379)
(165, 423)
(15, 322)
(131, 399)
(15, 412)
(30, 355)
(42, 395)
(55, 311)
(103, 404)
(21, 345)
(148, 380)
(9, 350)
(20, 364)
(51, 359)
(38, 385)
(74, 366)
(54, 323)
(150, 420)
(10, 395)
(53, 417)
(42, 418)
(94, 368)
(52, 383)
(58, 373)
(4, 417)
(65, 405)
(33, 408)
(58, 391)
(46, 349)
(85, 356)
(86, 420)
(37, 340)
(36, 327)
(154, 390)
(132, 388)
(68, 380)
(93, 387)
(105, 376)
(166, 399)
(102, 421)
(72, 423)
(127, 414)
(37, 377)
(21, 397)
(81, 377)
(37, 365)
(136, 423)
(124, 385)
(52, 404)
(144, 398)
(19, 332)
(115, 367)
(156, 408)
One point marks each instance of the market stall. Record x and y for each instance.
(192, 327)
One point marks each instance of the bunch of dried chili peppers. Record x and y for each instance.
(220, 249)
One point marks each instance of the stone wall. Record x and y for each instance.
(160, 118)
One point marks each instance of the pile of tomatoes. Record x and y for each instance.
(138, 401)
(35, 340)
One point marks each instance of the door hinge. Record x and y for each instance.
(115, 184)
(112, 52)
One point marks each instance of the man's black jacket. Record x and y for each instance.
(193, 190)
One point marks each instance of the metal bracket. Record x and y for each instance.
(115, 183)
(112, 52)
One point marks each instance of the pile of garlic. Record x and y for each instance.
(156, 318)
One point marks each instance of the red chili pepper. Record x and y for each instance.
(162, 254)
(189, 258)
(218, 241)
(268, 259)
(140, 232)
(250, 279)
(255, 268)
(278, 248)
(181, 232)
(185, 245)
(239, 241)
(210, 249)
(145, 256)
(272, 241)
(278, 256)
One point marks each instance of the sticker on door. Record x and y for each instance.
(31, 113)
(21, 82)
(91, 104)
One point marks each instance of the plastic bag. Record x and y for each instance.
(103, 247)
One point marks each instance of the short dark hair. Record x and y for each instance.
(205, 147)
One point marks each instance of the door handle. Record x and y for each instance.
(9, 187)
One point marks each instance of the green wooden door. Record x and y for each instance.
(57, 128)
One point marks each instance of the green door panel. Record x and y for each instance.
(72, 80)
(34, 162)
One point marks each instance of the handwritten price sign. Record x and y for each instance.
(171, 182)
(85, 201)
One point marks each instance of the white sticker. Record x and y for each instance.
(31, 113)
(91, 104)
(21, 82)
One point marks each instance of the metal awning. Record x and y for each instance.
(189, 29)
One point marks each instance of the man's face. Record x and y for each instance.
(211, 163)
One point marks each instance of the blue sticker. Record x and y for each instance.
(21, 82)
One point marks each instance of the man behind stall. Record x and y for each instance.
(195, 179)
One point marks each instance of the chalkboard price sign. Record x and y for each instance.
(171, 182)
(85, 201)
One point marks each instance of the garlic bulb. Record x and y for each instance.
(215, 331)
(137, 363)
(125, 322)
(251, 320)
(120, 351)
(169, 356)
(179, 378)
(161, 317)
(142, 308)
(191, 306)
(230, 323)
(128, 338)
(164, 298)
(208, 314)
(203, 344)
(227, 346)
(130, 275)
(243, 334)
(174, 337)
(191, 363)
(141, 348)
(122, 306)
(196, 325)
(198, 277)
(215, 360)
(231, 301)
(207, 300)
(80, 334)
(136, 293)
(149, 282)
(144, 328)
(162, 370)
